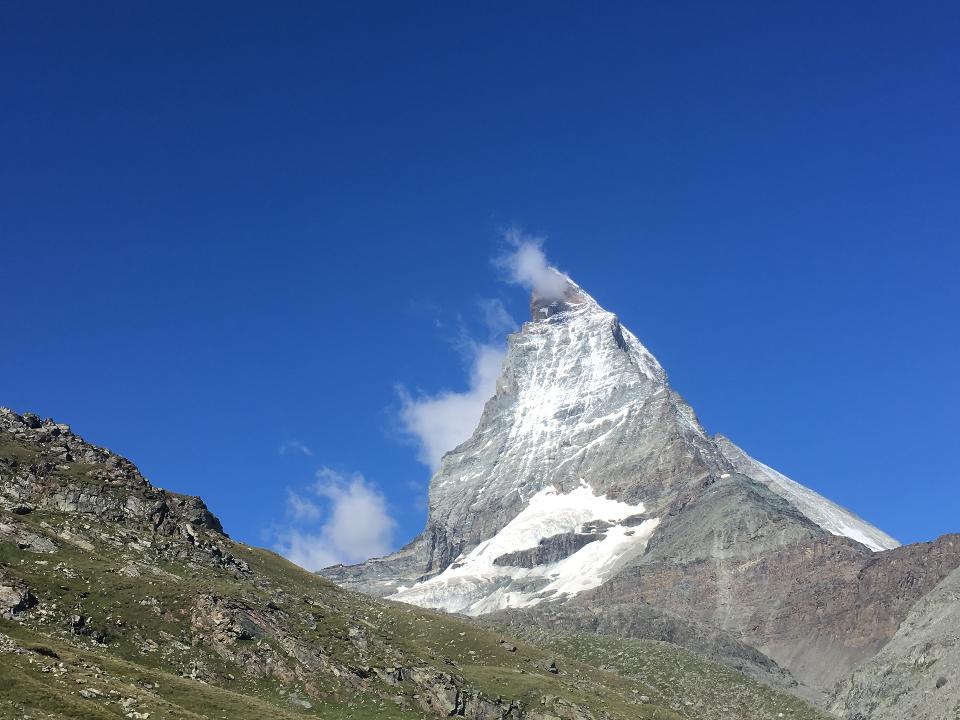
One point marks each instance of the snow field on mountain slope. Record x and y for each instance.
(576, 363)
(474, 585)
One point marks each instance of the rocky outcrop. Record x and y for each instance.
(47, 466)
(256, 639)
(917, 674)
(15, 596)
(26, 540)
(548, 550)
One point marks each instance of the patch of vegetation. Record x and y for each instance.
(13, 450)
(30, 685)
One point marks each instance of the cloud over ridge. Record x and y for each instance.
(442, 421)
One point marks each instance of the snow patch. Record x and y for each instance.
(474, 585)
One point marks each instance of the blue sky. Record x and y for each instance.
(230, 228)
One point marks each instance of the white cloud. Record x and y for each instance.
(441, 421)
(295, 446)
(496, 318)
(527, 265)
(301, 508)
(308, 550)
(349, 522)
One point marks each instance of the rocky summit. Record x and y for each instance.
(591, 499)
(121, 600)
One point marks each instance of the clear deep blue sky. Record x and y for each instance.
(225, 226)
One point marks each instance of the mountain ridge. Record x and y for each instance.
(581, 402)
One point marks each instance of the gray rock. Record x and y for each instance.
(25, 539)
(15, 596)
(551, 549)
(74, 476)
(916, 674)
(32, 421)
(14, 600)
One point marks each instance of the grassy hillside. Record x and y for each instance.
(694, 686)
(113, 616)
(122, 600)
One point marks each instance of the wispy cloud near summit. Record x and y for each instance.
(526, 265)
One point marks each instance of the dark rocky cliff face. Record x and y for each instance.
(548, 550)
(47, 466)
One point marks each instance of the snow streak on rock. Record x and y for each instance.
(828, 515)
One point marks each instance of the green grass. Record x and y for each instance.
(26, 688)
(157, 606)
(152, 643)
(530, 688)
(16, 450)
(680, 678)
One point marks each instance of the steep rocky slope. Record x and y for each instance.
(586, 461)
(917, 674)
(118, 599)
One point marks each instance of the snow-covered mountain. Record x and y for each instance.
(587, 468)
(565, 444)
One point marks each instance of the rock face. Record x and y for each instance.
(47, 466)
(15, 596)
(824, 513)
(549, 550)
(584, 413)
(917, 674)
(818, 609)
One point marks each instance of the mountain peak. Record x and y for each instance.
(558, 297)
(588, 471)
